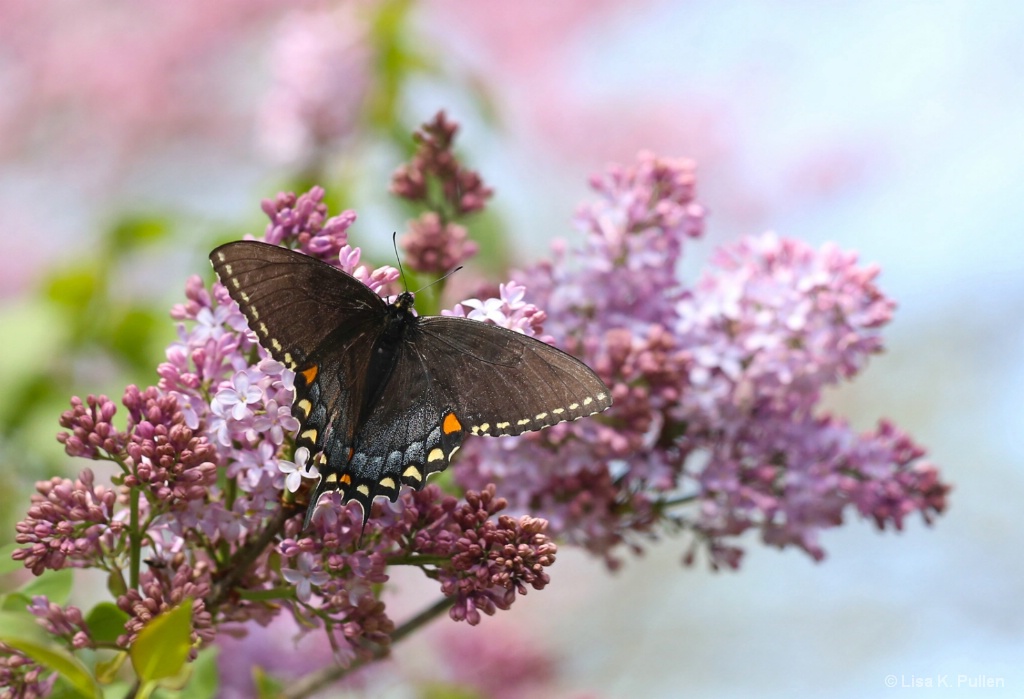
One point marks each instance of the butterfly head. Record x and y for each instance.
(404, 302)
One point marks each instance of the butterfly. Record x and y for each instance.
(385, 397)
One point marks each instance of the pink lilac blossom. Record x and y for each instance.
(321, 65)
(506, 664)
(432, 245)
(715, 427)
(434, 179)
(66, 623)
(161, 590)
(68, 525)
(434, 162)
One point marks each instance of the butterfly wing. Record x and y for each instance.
(293, 302)
(501, 382)
(321, 323)
(454, 377)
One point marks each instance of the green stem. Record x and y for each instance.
(681, 500)
(134, 539)
(274, 593)
(316, 681)
(417, 559)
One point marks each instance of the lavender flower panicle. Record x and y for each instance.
(69, 524)
(490, 559)
(160, 591)
(66, 623)
(504, 665)
(435, 244)
(91, 429)
(463, 191)
(729, 369)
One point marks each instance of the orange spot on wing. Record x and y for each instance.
(451, 424)
(310, 374)
(346, 479)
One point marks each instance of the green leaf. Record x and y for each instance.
(131, 335)
(55, 585)
(267, 686)
(106, 622)
(14, 602)
(134, 231)
(21, 632)
(8, 564)
(73, 289)
(106, 670)
(162, 647)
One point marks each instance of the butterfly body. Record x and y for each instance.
(385, 397)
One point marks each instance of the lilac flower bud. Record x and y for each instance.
(159, 593)
(65, 524)
(464, 192)
(436, 247)
(91, 429)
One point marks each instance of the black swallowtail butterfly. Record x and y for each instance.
(385, 397)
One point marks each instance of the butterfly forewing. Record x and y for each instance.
(502, 382)
(293, 302)
(385, 398)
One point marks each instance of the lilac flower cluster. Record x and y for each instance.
(22, 677)
(482, 561)
(170, 531)
(161, 591)
(434, 243)
(715, 428)
(505, 665)
(70, 524)
(66, 623)
(491, 560)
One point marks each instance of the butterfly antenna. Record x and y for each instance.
(436, 281)
(398, 258)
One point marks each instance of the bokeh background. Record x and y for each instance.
(136, 135)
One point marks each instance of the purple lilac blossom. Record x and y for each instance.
(463, 191)
(318, 55)
(434, 179)
(435, 246)
(503, 665)
(715, 428)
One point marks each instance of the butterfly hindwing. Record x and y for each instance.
(409, 433)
